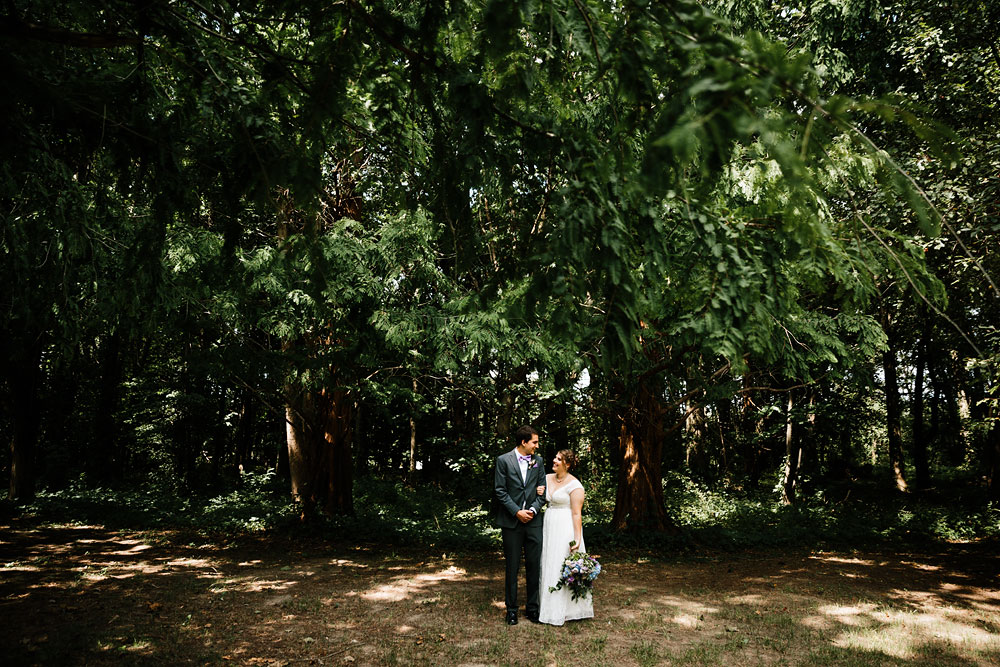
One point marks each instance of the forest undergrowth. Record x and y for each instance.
(391, 510)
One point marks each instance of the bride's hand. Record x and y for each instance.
(574, 547)
(540, 490)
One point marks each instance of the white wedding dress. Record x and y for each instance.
(557, 532)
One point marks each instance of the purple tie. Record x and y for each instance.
(526, 458)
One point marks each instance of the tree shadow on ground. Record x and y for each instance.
(834, 608)
(75, 595)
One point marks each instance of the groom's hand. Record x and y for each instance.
(524, 516)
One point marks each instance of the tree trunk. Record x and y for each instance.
(62, 425)
(559, 437)
(724, 424)
(558, 432)
(811, 437)
(281, 464)
(505, 420)
(359, 442)
(639, 498)
(893, 412)
(750, 428)
(413, 432)
(188, 432)
(338, 466)
(992, 438)
(105, 456)
(220, 438)
(318, 434)
(935, 403)
(791, 458)
(993, 462)
(246, 428)
(919, 438)
(951, 423)
(694, 454)
(844, 449)
(299, 436)
(23, 379)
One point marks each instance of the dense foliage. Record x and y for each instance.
(734, 246)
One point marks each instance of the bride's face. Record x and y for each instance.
(558, 465)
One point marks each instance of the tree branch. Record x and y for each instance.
(14, 27)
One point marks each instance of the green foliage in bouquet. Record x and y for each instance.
(579, 571)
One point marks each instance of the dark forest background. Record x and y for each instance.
(266, 262)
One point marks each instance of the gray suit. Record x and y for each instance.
(511, 494)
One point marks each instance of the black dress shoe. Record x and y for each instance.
(511, 618)
(533, 618)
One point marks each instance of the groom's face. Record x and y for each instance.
(529, 446)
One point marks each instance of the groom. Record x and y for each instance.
(517, 511)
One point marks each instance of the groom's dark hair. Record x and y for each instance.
(524, 434)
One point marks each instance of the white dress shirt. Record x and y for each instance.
(523, 465)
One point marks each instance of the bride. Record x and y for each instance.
(563, 524)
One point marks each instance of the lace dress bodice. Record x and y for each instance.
(560, 498)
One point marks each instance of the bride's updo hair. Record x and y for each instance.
(569, 458)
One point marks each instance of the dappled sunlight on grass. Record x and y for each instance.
(875, 641)
(19, 566)
(679, 611)
(260, 585)
(685, 621)
(976, 598)
(189, 562)
(133, 649)
(844, 560)
(980, 602)
(133, 550)
(903, 634)
(921, 566)
(403, 588)
(293, 601)
(843, 614)
(686, 605)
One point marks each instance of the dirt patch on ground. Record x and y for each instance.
(75, 595)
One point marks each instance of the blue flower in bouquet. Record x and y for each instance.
(579, 571)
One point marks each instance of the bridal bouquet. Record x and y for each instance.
(579, 571)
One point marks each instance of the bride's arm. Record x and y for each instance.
(576, 507)
(540, 490)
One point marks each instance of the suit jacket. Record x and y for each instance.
(511, 494)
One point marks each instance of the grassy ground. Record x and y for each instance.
(91, 595)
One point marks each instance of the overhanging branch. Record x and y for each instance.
(18, 29)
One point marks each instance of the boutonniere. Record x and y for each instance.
(532, 463)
